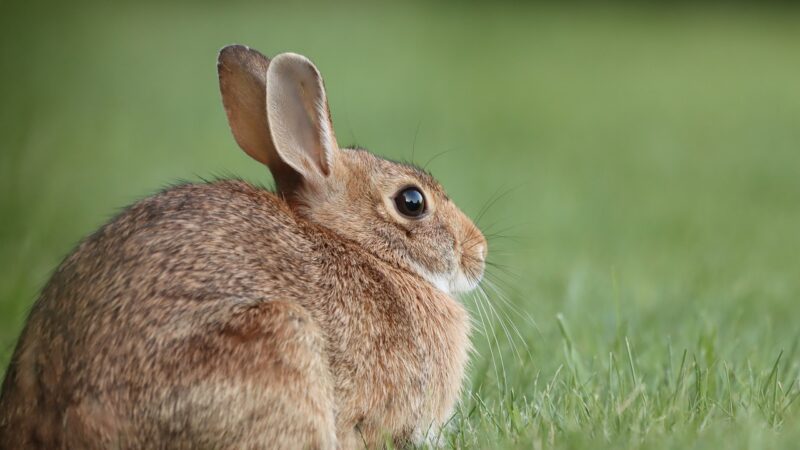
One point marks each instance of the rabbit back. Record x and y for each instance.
(159, 324)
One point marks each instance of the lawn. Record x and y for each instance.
(639, 170)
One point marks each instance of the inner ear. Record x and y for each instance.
(299, 116)
(242, 81)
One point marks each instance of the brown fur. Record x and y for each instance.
(220, 315)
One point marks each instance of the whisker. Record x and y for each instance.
(414, 143)
(506, 302)
(436, 156)
(494, 201)
(475, 325)
(487, 322)
(488, 336)
(501, 253)
(521, 313)
(511, 322)
(503, 326)
(506, 270)
(512, 238)
(494, 198)
(488, 229)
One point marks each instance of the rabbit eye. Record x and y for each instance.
(410, 202)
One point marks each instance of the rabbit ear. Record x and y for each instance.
(299, 118)
(242, 81)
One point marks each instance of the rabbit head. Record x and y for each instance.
(278, 112)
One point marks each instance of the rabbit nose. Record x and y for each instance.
(482, 250)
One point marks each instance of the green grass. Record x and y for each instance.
(647, 247)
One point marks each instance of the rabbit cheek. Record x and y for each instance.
(440, 281)
(438, 263)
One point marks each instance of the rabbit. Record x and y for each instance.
(224, 315)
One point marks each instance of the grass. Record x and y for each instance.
(642, 166)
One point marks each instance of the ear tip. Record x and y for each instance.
(291, 57)
(230, 50)
(237, 52)
(291, 61)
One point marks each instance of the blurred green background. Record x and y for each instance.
(645, 163)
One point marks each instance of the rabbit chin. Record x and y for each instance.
(449, 283)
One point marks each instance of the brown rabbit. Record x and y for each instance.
(222, 315)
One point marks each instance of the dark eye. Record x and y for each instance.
(410, 202)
